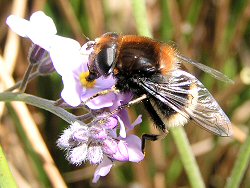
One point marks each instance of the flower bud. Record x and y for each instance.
(122, 152)
(78, 154)
(46, 67)
(112, 123)
(95, 154)
(36, 54)
(80, 135)
(64, 141)
(110, 146)
(98, 133)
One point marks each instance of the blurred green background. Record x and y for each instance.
(216, 33)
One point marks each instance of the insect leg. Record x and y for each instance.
(135, 101)
(151, 137)
(158, 122)
(100, 93)
(154, 115)
(60, 101)
(119, 108)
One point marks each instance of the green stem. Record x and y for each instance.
(40, 103)
(187, 157)
(140, 15)
(240, 165)
(179, 135)
(6, 178)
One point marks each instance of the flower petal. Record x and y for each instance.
(19, 25)
(109, 146)
(136, 122)
(122, 152)
(71, 91)
(40, 29)
(134, 148)
(121, 98)
(111, 124)
(102, 169)
(105, 83)
(123, 114)
(64, 53)
(122, 128)
(99, 102)
(42, 23)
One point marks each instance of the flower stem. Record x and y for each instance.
(18, 84)
(187, 157)
(240, 165)
(140, 15)
(180, 138)
(40, 103)
(26, 78)
(6, 178)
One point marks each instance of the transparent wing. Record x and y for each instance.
(186, 95)
(216, 74)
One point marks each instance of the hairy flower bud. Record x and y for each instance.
(95, 154)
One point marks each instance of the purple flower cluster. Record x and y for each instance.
(100, 144)
(105, 139)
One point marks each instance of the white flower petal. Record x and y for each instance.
(122, 152)
(77, 126)
(41, 39)
(65, 44)
(43, 23)
(65, 54)
(70, 92)
(122, 128)
(18, 25)
(40, 29)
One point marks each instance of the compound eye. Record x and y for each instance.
(105, 61)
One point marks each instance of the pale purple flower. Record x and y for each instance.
(134, 148)
(68, 57)
(103, 169)
(122, 115)
(100, 144)
(128, 149)
(77, 89)
(40, 29)
(106, 139)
